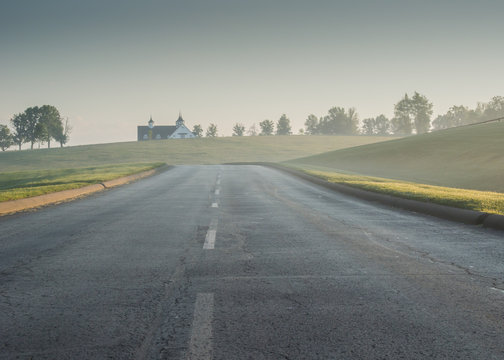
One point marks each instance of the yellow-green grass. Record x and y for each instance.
(35, 172)
(469, 157)
(485, 201)
(23, 184)
(187, 151)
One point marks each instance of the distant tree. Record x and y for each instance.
(422, 112)
(32, 117)
(252, 131)
(19, 124)
(455, 116)
(211, 130)
(283, 126)
(6, 139)
(37, 124)
(311, 124)
(267, 127)
(50, 124)
(379, 125)
(197, 130)
(352, 122)
(301, 131)
(493, 109)
(402, 121)
(338, 121)
(412, 111)
(64, 136)
(462, 115)
(238, 129)
(382, 125)
(368, 126)
(41, 133)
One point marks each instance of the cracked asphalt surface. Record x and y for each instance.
(297, 272)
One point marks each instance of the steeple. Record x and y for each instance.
(151, 123)
(179, 121)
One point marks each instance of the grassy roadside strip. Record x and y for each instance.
(25, 184)
(484, 201)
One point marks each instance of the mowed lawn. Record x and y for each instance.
(35, 172)
(181, 152)
(484, 201)
(23, 184)
(462, 167)
(470, 157)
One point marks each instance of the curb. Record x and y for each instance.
(470, 217)
(14, 206)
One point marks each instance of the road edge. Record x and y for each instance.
(465, 216)
(15, 206)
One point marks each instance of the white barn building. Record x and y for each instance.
(155, 132)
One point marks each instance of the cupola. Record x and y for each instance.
(179, 121)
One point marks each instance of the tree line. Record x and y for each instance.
(283, 127)
(37, 124)
(412, 114)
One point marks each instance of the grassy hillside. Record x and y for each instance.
(174, 152)
(23, 184)
(469, 157)
(485, 201)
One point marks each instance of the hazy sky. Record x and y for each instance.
(108, 65)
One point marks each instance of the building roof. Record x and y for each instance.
(162, 130)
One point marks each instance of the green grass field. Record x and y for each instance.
(485, 201)
(23, 184)
(29, 173)
(469, 157)
(178, 152)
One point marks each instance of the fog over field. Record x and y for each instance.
(109, 65)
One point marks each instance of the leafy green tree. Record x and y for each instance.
(311, 125)
(338, 121)
(379, 125)
(51, 122)
(252, 131)
(422, 112)
(493, 109)
(238, 129)
(368, 126)
(64, 136)
(211, 130)
(412, 111)
(402, 121)
(197, 130)
(6, 139)
(41, 133)
(19, 124)
(455, 116)
(32, 117)
(267, 127)
(283, 126)
(382, 125)
(37, 124)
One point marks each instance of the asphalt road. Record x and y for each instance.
(237, 262)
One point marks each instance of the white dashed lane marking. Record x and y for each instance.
(498, 290)
(201, 343)
(210, 236)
